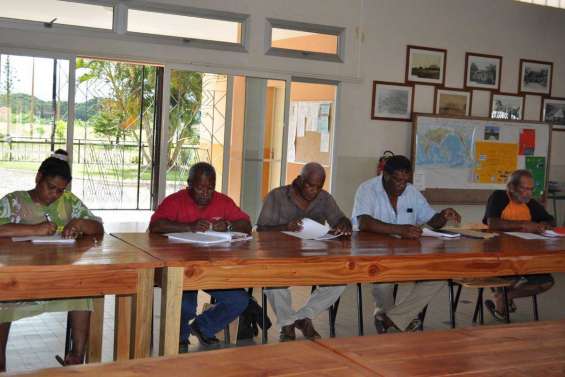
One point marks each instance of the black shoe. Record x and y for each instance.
(287, 333)
(203, 339)
(183, 346)
(383, 323)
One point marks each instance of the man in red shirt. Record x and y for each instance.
(197, 209)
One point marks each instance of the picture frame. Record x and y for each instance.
(535, 77)
(506, 106)
(392, 101)
(553, 111)
(453, 101)
(425, 65)
(482, 71)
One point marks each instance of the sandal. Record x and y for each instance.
(69, 360)
(491, 307)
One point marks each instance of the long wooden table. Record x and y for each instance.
(92, 267)
(274, 259)
(535, 349)
(520, 350)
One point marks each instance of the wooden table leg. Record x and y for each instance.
(141, 318)
(122, 327)
(171, 296)
(94, 353)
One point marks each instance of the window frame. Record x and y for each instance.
(39, 25)
(339, 32)
(215, 15)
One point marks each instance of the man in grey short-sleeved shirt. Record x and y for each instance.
(283, 210)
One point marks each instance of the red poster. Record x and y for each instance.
(527, 142)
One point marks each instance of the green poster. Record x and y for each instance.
(536, 165)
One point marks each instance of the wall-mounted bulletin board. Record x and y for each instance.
(462, 160)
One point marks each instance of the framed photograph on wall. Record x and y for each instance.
(425, 65)
(553, 111)
(392, 101)
(506, 106)
(535, 77)
(453, 101)
(482, 71)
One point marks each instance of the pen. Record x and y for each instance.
(48, 218)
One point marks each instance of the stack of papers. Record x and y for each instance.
(312, 230)
(432, 233)
(55, 238)
(209, 237)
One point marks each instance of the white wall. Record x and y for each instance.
(376, 38)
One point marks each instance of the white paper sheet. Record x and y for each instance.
(431, 233)
(527, 236)
(209, 237)
(55, 238)
(312, 230)
(552, 234)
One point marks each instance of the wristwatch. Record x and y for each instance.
(229, 226)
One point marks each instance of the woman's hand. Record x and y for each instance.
(295, 225)
(46, 228)
(73, 229)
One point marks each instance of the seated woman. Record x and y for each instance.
(44, 210)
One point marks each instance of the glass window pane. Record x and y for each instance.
(196, 125)
(183, 26)
(311, 128)
(65, 12)
(304, 41)
(33, 116)
(113, 134)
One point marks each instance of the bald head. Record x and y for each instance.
(313, 169)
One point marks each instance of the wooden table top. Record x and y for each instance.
(525, 349)
(276, 245)
(297, 359)
(93, 253)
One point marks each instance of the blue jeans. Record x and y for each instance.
(230, 303)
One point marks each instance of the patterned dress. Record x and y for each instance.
(18, 208)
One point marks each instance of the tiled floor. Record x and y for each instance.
(34, 341)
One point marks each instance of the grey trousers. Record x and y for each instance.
(420, 294)
(321, 299)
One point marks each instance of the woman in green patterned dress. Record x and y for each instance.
(44, 210)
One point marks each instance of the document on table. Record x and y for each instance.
(55, 238)
(552, 234)
(208, 238)
(527, 236)
(432, 233)
(312, 230)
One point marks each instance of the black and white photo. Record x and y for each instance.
(425, 65)
(482, 71)
(392, 101)
(535, 77)
(506, 106)
(553, 111)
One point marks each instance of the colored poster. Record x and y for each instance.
(536, 165)
(527, 141)
(494, 161)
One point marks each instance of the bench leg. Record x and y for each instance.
(535, 303)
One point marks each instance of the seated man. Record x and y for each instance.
(388, 204)
(283, 209)
(515, 210)
(197, 209)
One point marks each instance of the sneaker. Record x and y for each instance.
(203, 339)
(383, 323)
(415, 325)
(305, 325)
(287, 333)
